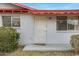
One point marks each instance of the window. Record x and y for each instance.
(16, 22)
(9, 21)
(67, 23)
(61, 23)
(6, 21)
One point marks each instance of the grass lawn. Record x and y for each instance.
(19, 52)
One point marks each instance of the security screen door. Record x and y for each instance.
(40, 29)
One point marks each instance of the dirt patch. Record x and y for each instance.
(20, 52)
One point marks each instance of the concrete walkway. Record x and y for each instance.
(48, 47)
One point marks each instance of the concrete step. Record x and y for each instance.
(48, 47)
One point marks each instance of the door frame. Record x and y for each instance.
(45, 24)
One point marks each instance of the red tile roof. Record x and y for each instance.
(55, 11)
(23, 10)
(27, 9)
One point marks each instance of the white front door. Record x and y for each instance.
(40, 29)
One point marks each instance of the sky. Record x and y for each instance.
(53, 6)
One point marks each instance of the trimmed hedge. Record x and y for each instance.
(8, 39)
(75, 41)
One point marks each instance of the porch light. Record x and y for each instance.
(50, 17)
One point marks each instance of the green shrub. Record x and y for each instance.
(75, 41)
(8, 39)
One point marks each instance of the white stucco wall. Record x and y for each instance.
(52, 35)
(26, 28)
(59, 37)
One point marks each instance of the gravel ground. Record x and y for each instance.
(19, 52)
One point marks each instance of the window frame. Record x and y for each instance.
(57, 20)
(4, 22)
(12, 20)
(73, 30)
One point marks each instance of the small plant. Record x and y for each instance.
(75, 41)
(8, 39)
